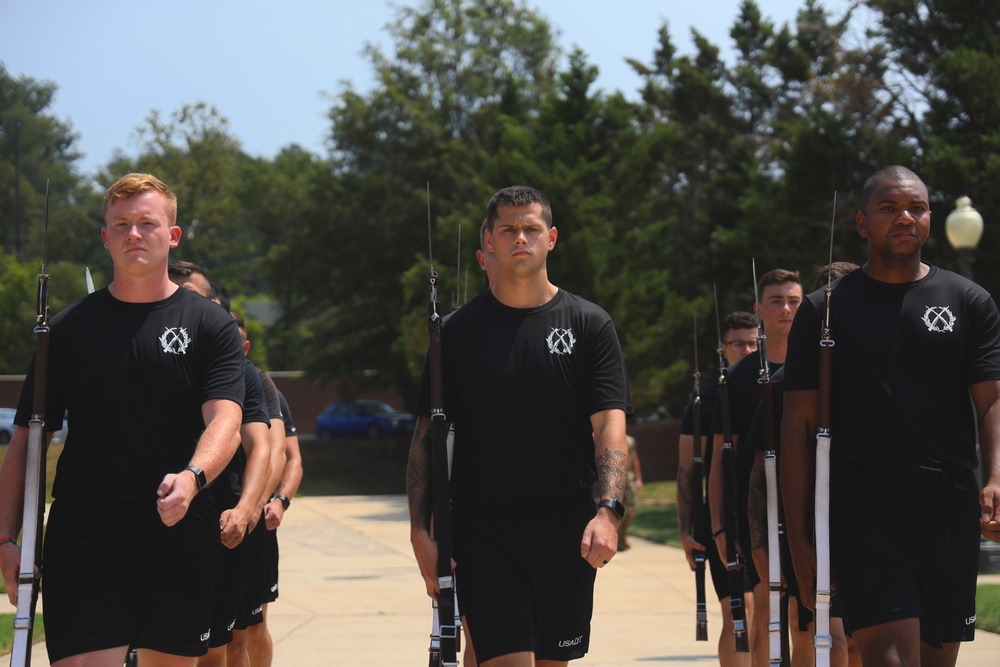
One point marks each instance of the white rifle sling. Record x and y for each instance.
(773, 558)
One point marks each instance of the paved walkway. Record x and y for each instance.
(351, 595)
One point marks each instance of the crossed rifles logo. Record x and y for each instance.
(560, 341)
(939, 319)
(175, 340)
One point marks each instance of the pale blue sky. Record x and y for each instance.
(271, 67)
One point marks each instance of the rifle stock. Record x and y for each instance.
(33, 515)
(698, 500)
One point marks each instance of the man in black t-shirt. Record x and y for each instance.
(534, 380)
(780, 294)
(739, 338)
(912, 342)
(151, 376)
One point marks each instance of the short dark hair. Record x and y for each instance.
(894, 172)
(739, 319)
(778, 277)
(517, 195)
(219, 293)
(832, 272)
(182, 269)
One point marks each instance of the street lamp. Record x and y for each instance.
(964, 228)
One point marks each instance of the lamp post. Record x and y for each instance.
(964, 228)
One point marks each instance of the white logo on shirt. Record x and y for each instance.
(561, 341)
(175, 340)
(939, 319)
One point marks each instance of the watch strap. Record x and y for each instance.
(285, 501)
(199, 476)
(614, 505)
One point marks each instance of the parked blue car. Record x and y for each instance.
(373, 419)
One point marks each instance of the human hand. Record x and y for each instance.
(600, 540)
(10, 564)
(426, 551)
(690, 546)
(174, 496)
(989, 521)
(234, 525)
(274, 512)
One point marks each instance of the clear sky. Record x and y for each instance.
(272, 68)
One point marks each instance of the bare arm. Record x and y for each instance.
(797, 478)
(274, 511)
(215, 448)
(600, 538)
(717, 497)
(757, 515)
(276, 438)
(237, 522)
(985, 397)
(685, 500)
(418, 494)
(12, 508)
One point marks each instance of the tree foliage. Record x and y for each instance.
(663, 196)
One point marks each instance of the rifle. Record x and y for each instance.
(34, 475)
(445, 628)
(774, 625)
(697, 509)
(823, 640)
(733, 565)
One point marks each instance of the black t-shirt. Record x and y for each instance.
(744, 399)
(708, 396)
(521, 386)
(286, 416)
(270, 396)
(755, 437)
(132, 378)
(903, 360)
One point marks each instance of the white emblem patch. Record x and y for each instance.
(939, 319)
(175, 340)
(561, 341)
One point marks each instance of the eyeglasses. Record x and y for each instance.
(742, 344)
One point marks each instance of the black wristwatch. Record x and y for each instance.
(199, 476)
(285, 502)
(614, 505)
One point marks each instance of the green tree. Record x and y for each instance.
(432, 117)
(946, 55)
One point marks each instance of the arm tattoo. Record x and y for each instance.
(611, 467)
(684, 500)
(418, 475)
(757, 506)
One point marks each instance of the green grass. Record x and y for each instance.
(988, 607)
(656, 513)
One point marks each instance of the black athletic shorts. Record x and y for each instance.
(269, 592)
(521, 581)
(115, 575)
(230, 582)
(251, 600)
(907, 550)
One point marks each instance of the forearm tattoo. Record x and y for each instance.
(684, 499)
(418, 475)
(757, 508)
(611, 466)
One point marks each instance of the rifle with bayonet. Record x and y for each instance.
(823, 641)
(775, 625)
(734, 570)
(698, 500)
(34, 475)
(444, 646)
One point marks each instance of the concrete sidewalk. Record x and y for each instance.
(351, 595)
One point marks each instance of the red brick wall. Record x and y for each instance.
(657, 445)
